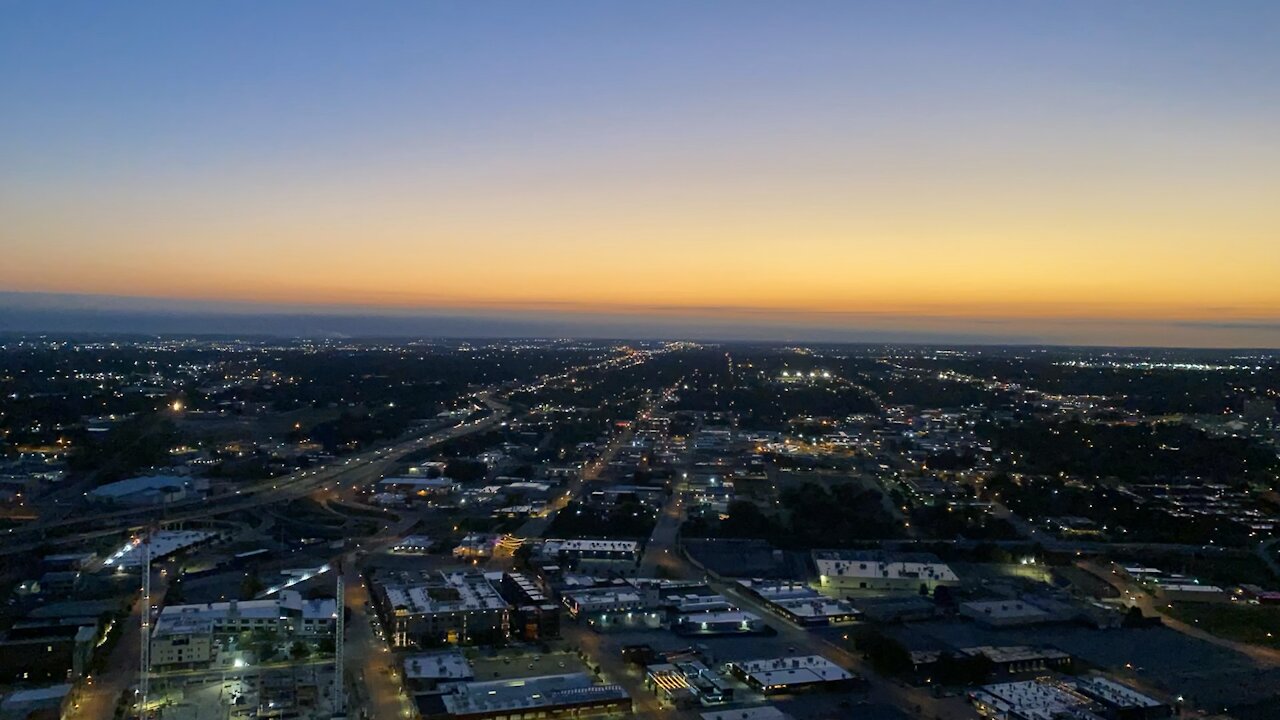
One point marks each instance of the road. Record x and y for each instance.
(1135, 595)
(355, 469)
(99, 695)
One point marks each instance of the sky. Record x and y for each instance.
(1075, 172)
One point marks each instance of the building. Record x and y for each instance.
(426, 672)
(687, 683)
(1041, 699)
(763, 712)
(588, 549)
(46, 651)
(183, 635)
(1083, 697)
(1121, 701)
(1004, 613)
(534, 617)
(722, 622)
(163, 544)
(413, 545)
(546, 696)
(150, 490)
(799, 603)
(608, 600)
(418, 486)
(792, 674)
(873, 570)
(50, 702)
(455, 607)
(1015, 659)
(476, 545)
(1007, 660)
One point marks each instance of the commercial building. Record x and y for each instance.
(1087, 698)
(534, 616)
(1041, 699)
(150, 490)
(763, 712)
(163, 544)
(46, 651)
(413, 545)
(427, 671)
(476, 545)
(621, 598)
(872, 570)
(687, 683)
(1005, 660)
(418, 486)
(1004, 613)
(723, 622)
(455, 607)
(1121, 701)
(792, 674)
(50, 702)
(588, 549)
(799, 603)
(546, 696)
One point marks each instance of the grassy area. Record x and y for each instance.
(1255, 624)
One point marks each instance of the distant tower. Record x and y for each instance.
(339, 687)
(144, 664)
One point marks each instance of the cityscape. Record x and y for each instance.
(724, 360)
(201, 528)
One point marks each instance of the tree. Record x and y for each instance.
(887, 655)
(250, 586)
(299, 650)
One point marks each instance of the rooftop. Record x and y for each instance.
(521, 693)
(449, 592)
(869, 564)
(778, 672)
(448, 665)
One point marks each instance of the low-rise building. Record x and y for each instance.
(792, 674)
(547, 696)
(592, 549)
(1120, 700)
(149, 490)
(687, 683)
(1082, 697)
(1004, 613)
(799, 603)
(723, 622)
(427, 671)
(873, 570)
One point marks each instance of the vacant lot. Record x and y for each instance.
(1256, 624)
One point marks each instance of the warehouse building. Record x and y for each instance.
(792, 674)
(873, 570)
(546, 696)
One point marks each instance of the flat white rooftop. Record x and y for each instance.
(588, 545)
(877, 566)
(450, 665)
(163, 542)
(781, 672)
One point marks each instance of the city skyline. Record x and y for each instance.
(1083, 173)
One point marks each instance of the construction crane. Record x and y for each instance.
(144, 656)
(339, 687)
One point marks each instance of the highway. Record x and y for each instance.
(356, 469)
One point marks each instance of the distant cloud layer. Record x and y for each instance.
(66, 313)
